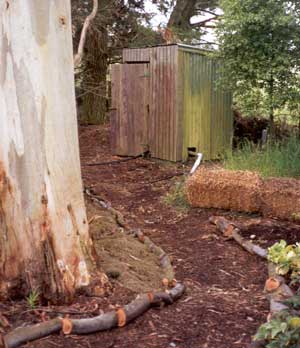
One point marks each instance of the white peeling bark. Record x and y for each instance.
(43, 227)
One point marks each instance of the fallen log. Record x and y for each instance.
(23, 335)
(278, 294)
(102, 322)
(230, 231)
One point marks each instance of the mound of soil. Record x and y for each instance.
(122, 257)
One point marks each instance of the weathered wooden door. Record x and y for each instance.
(130, 109)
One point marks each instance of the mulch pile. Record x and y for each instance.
(244, 191)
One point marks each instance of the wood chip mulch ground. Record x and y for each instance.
(224, 303)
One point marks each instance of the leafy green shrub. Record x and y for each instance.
(280, 332)
(287, 259)
(281, 159)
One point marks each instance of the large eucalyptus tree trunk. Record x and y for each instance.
(44, 238)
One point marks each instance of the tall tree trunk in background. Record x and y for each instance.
(271, 108)
(184, 10)
(44, 239)
(181, 14)
(94, 99)
(93, 108)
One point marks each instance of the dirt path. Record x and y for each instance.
(224, 303)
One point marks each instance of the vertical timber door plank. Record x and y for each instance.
(130, 109)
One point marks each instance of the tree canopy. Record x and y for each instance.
(260, 44)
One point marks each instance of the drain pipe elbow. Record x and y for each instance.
(197, 163)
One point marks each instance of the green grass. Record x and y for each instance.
(281, 159)
(176, 196)
(33, 299)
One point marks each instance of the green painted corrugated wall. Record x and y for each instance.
(206, 111)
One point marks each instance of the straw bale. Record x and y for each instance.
(281, 198)
(224, 189)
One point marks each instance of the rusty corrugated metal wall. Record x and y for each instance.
(185, 110)
(131, 55)
(207, 114)
(163, 116)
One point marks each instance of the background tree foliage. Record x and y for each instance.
(260, 45)
(118, 24)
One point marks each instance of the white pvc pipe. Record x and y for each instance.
(197, 163)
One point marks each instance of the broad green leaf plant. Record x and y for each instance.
(281, 332)
(286, 258)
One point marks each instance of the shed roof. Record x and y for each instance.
(180, 45)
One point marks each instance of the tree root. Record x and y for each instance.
(275, 287)
(102, 322)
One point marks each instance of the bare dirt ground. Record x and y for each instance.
(224, 303)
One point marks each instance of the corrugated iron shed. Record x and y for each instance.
(165, 99)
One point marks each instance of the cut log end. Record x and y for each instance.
(67, 326)
(272, 284)
(121, 317)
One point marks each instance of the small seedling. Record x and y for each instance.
(176, 196)
(33, 298)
